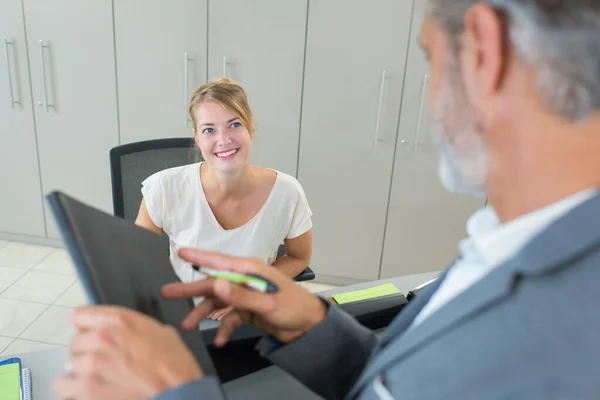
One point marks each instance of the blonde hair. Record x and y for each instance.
(228, 94)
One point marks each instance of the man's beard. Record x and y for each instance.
(463, 154)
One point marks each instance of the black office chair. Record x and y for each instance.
(131, 163)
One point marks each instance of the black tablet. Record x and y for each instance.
(122, 264)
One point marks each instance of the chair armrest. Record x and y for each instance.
(307, 275)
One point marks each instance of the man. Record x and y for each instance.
(515, 86)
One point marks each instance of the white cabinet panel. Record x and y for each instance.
(161, 59)
(261, 45)
(71, 53)
(21, 205)
(425, 221)
(349, 126)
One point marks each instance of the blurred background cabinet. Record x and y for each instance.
(70, 64)
(425, 222)
(338, 90)
(21, 206)
(355, 62)
(161, 55)
(260, 44)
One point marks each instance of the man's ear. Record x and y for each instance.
(483, 52)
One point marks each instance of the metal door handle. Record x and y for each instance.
(380, 106)
(224, 66)
(186, 86)
(10, 79)
(423, 94)
(43, 45)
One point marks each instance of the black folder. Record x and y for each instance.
(122, 264)
(415, 292)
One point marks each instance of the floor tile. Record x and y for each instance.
(21, 346)
(73, 297)
(19, 255)
(4, 342)
(54, 326)
(8, 276)
(41, 287)
(317, 287)
(59, 262)
(16, 315)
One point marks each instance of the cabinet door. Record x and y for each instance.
(260, 44)
(161, 59)
(21, 209)
(425, 221)
(353, 85)
(71, 53)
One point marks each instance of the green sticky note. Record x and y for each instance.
(365, 294)
(10, 382)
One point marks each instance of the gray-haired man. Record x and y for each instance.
(515, 87)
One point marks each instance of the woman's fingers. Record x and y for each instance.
(200, 312)
(219, 315)
(216, 315)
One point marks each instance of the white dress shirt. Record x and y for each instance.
(490, 243)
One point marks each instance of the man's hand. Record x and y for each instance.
(121, 354)
(287, 314)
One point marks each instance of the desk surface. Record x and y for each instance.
(269, 383)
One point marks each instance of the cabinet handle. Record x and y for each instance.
(380, 106)
(43, 59)
(224, 66)
(423, 94)
(186, 86)
(10, 79)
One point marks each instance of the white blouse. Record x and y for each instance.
(176, 203)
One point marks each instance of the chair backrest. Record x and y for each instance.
(130, 164)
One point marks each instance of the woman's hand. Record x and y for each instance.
(287, 314)
(118, 353)
(220, 314)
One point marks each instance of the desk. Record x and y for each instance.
(271, 383)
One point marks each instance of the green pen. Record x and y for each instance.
(251, 281)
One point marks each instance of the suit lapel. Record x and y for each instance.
(400, 324)
(409, 313)
(571, 236)
(475, 299)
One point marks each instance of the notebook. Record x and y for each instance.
(15, 381)
(26, 382)
(386, 289)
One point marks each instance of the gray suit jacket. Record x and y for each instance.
(528, 330)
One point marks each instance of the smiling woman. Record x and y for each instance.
(224, 204)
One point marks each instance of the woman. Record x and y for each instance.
(224, 204)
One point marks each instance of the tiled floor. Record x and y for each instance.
(38, 291)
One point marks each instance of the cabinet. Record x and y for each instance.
(338, 90)
(161, 58)
(425, 222)
(354, 74)
(71, 56)
(261, 45)
(21, 204)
